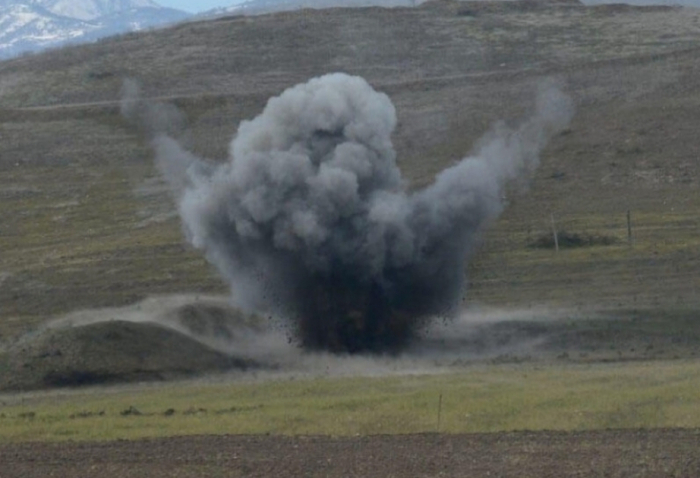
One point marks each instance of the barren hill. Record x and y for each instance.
(86, 222)
(108, 352)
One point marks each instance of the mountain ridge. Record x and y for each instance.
(33, 25)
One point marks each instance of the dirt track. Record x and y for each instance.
(648, 453)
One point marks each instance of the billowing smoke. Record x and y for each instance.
(310, 219)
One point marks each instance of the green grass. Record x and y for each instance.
(479, 399)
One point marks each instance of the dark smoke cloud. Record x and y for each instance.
(311, 220)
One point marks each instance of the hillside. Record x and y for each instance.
(87, 223)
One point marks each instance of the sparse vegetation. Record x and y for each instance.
(487, 398)
(569, 240)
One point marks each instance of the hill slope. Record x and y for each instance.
(86, 221)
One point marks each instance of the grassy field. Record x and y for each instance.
(476, 399)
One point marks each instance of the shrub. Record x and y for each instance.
(569, 240)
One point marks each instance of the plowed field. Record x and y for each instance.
(613, 453)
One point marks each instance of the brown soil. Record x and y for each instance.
(612, 453)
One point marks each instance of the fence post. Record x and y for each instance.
(554, 233)
(629, 227)
(439, 417)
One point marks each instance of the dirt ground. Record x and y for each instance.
(611, 453)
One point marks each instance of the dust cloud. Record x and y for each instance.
(472, 337)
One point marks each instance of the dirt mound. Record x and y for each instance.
(108, 352)
(210, 320)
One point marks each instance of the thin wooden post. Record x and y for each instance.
(439, 417)
(554, 233)
(629, 228)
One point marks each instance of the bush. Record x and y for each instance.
(569, 240)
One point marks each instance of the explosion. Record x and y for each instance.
(310, 219)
